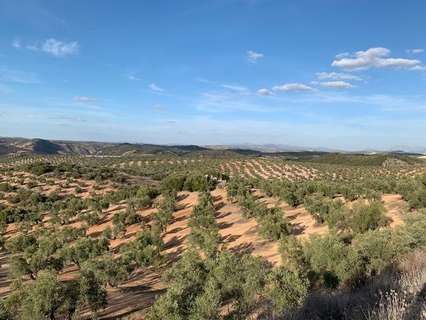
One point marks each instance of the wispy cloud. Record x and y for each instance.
(225, 101)
(253, 56)
(374, 58)
(264, 92)
(84, 99)
(60, 49)
(16, 43)
(336, 84)
(415, 51)
(155, 88)
(17, 76)
(293, 87)
(336, 76)
(51, 46)
(133, 76)
(236, 88)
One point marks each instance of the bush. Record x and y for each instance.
(204, 230)
(199, 289)
(332, 261)
(417, 199)
(40, 168)
(198, 182)
(376, 249)
(320, 207)
(173, 183)
(366, 217)
(6, 187)
(273, 226)
(285, 289)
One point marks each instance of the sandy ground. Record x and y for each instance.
(395, 208)
(238, 235)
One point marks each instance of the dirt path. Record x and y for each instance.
(395, 208)
(240, 234)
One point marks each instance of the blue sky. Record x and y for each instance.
(330, 73)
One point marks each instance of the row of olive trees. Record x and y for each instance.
(37, 257)
(209, 282)
(272, 223)
(337, 260)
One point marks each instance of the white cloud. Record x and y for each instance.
(50, 46)
(236, 88)
(420, 68)
(253, 56)
(264, 92)
(84, 99)
(134, 77)
(342, 55)
(155, 88)
(336, 76)
(415, 51)
(296, 87)
(58, 48)
(336, 84)
(16, 43)
(374, 58)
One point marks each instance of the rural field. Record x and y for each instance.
(212, 160)
(213, 235)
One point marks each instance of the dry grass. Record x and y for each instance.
(397, 294)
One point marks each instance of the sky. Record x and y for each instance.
(340, 74)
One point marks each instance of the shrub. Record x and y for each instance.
(285, 289)
(173, 183)
(198, 289)
(332, 261)
(376, 249)
(204, 230)
(40, 168)
(320, 207)
(273, 226)
(367, 217)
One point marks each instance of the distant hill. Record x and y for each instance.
(18, 146)
(40, 146)
(15, 146)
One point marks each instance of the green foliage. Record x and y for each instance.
(107, 270)
(204, 230)
(91, 290)
(6, 187)
(165, 211)
(45, 298)
(199, 288)
(40, 168)
(84, 249)
(144, 250)
(238, 187)
(173, 183)
(376, 249)
(285, 289)
(273, 225)
(320, 207)
(123, 219)
(31, 253)
(417, 199)
(292, 255)
(145, 196)
(198, 182)
(331, 260)
(364, 217)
